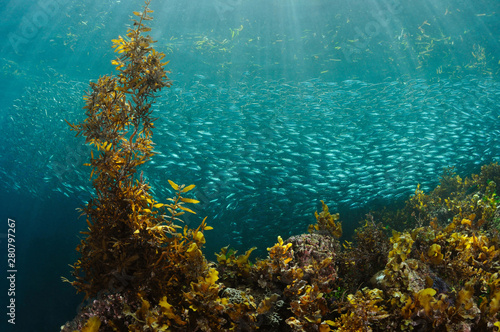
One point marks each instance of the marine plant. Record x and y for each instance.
(326, 222)
(364, 256)
(440, 275)
(232, 264)
(134, 244)
(453, 197)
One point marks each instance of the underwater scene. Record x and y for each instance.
(244, 165)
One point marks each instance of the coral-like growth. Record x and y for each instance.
(315, 255)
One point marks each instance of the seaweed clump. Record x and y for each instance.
(134, 244)
(125, 223)
(435, 274)
(454, 196)
(442, 270)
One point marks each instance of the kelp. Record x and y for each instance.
(133, 243)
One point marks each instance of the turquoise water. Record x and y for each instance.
(275, 105)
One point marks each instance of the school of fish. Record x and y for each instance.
(264, 153)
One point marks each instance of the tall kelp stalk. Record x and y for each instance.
(133, 244)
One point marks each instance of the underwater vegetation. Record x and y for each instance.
(133, 243)
(428, 277)
(431, 266)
